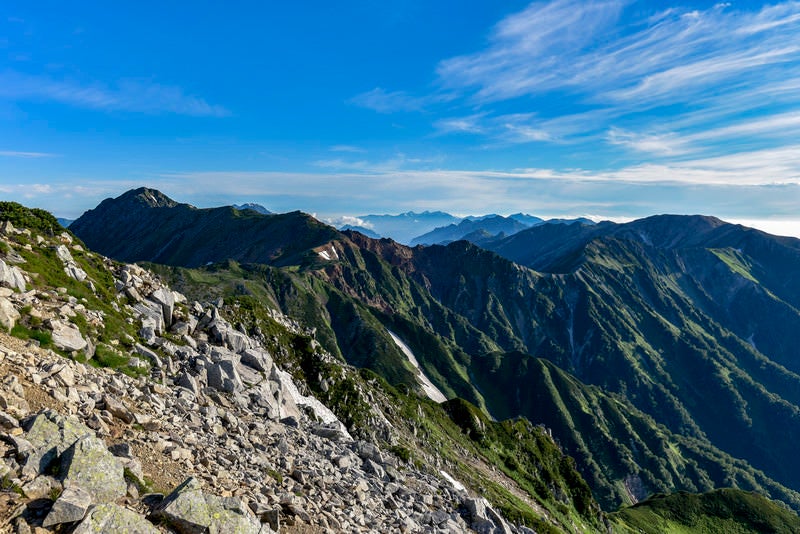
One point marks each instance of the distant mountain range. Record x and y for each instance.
(492, 225)
(661, 353)
(439, 228)
(406, 226)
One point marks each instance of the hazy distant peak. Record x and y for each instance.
(258, 208)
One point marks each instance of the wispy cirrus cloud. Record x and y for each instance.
(347, 148)
(591, 49)
(383, 101)
(664, 144)
(137, 96)
(618, 73)
(25, 155)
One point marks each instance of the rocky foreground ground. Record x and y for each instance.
(212, 436)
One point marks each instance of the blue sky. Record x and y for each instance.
(610, 109)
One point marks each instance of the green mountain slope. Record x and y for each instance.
(689, 388)
(724, 511)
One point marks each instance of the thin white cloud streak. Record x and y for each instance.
(382, 101)
(671, 143)
(471, 124)
(347, 148)
(667, 144)
(139, 96)
(25, 155)
(395, 163)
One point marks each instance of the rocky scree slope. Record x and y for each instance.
(197, 429)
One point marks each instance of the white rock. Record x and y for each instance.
(67, 337)
(8, 314)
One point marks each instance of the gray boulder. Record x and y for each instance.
(11, 276)
(49, 435)
(166, 299)
(258, 359)
(114, 518)
(483, 519)
(118, 409)
(190, 511)
(223, 376)
(151, 314)
(89, 465)
(67, 337)
(151, 356)
(63, 254)
(8, 314)
(75, 272)
(70, 506)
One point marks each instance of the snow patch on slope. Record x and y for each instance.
(329, 255)
(458, 486)
(322, 412)
(431, 391)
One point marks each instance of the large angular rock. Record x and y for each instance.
(89, 465)
(151, 356)
(166, 299)
(151, 314)
(7, 228)
(284, 393)
(70, 506)
(190, 511)
(73, 271)
(223, 376)
(114, 518)
(236, 340)
(70, 267)
(258, 359)
(8, 314)
(11, 276)
(67, 337)
(483, 519)
(49, 435)
(63, 254)
(118, 409)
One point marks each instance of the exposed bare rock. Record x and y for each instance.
(166, 299)
(70, 506)
(49, 435)
(191, 511)
(8, 314)
(67, 337)
(89, 465)
(11, 276)
(70, 267)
